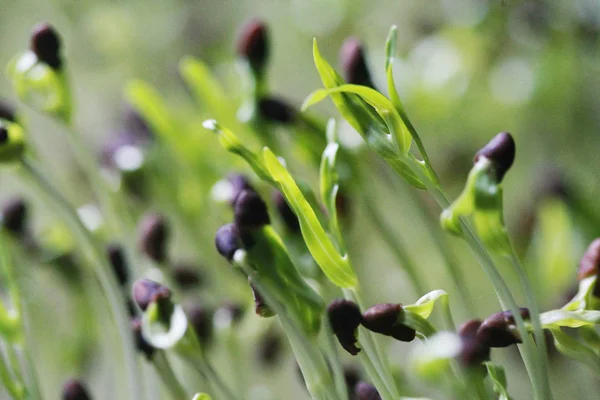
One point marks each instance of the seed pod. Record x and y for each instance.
(200, 319)
(590, 262)
(277, 110)
(260, 306)
(7, 112)
(116, 257)
(146, 291)
(141, 344)
(354, 64)
(45, 43)
(285, 212)
(500, 151)
(384, 319)
(366, 391)
(250, 211)
(187, 277)
(74, 389)
(153, 237)
(14, 215)
(495, 331)
(238, 183)
(269, 348)
(253, 45)
(228, 240)
(473, 351)
(345, 317)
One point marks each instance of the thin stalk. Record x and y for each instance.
(396, 245)
(314, 369)
(100, 267)
(209, 373)
(369, 345)
(534, 311)
(503, 292)
(167, 375)
(334, 362)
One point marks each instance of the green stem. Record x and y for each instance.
(395, 244)
(165, 371)
(13, 387)
(334, 362)
(502, 291)
(534, 311)
(209, 373)
(369, 345)
(100, 267)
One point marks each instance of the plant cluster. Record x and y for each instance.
(286, 244)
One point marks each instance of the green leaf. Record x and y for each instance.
(271, 261)
(231, 143)
(424, 306)
(583, 296)
(576, 350)
(571, 319)
(382, 105)
(334, 265)
(149, 103)
(205, 87)
(498, 378)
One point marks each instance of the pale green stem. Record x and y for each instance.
(334, 362)
(369, 345)
(209, 373)
(503, 292)
(396, 245)
(100, 267)
(167, 375)
(534, 311)
(12, 386)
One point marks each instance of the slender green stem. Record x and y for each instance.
(395, 244)
(208, 372)
(100, 267)
(167, 375)
(334, 362)
(503, 292)
(534, 311)
(369, 345)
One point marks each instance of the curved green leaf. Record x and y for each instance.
(334, 265)
(424, 306)
(498, 378)
(571, 319)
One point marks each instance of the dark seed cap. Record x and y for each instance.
(186, 276)
(45, 43)
(250, 211)
(3, 135)
(345, 317)
(153, 236)
(286, 213)
(146, 291)
(253, 44)
(235, 311)
(384, 319)
(366, 391)
(260, 306)
(200, 320)
(495, 331)
(354, 64)
(239, 183)
(500, 151)
(277, 110)
(141, 344)
(473, 352)
(228, 240)
(73, 389)
(14, 215)
(590, 262)
(7, 111)
(351, 378)
(116, 257)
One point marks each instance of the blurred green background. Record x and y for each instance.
(467, 69)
